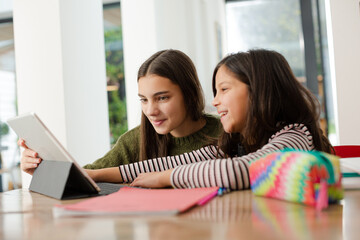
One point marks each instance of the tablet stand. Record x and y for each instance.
(61, 180)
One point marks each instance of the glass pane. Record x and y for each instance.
(325, 74)
(115, 71)
(9, 154)
(276, 25)
(272, 25)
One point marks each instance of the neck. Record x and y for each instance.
(189, 128)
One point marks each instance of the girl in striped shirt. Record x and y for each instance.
(263, 108)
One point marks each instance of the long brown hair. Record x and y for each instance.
(276, 99)
(179, 69)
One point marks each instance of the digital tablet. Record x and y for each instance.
(39, 138)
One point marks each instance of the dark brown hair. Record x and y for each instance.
(276, 99)
(179, 69)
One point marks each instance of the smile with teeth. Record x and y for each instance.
(222, 114)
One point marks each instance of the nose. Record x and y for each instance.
(215, 102)
(151, 109)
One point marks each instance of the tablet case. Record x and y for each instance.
(61, 180)
(58, 175)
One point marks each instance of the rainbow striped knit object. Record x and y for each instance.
(309, 177)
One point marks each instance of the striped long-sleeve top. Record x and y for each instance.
(204, 168)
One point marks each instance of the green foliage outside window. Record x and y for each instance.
(115, 82)
(117, 116)
(4, 129)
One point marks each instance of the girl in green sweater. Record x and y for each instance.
(173, 119)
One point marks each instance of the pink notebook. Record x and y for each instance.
(135, 201)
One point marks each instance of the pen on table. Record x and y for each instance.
(222, 191)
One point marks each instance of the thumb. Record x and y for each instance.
(21, 143)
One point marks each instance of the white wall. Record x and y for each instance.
(195, 27)
(343, 19)
(60, 70)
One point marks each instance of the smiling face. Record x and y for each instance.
(231, 100)
(162, 102)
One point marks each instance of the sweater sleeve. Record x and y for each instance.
(206, 167)
(125, 151)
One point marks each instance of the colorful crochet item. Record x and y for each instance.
(309, 177)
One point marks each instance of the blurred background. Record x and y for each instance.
(208, 30)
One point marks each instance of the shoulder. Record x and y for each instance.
(130, 135)
(128, 143)
(212, 119)
(213, 126)
(125, 150)
(292, 136)
(293, 128)
(295, 136)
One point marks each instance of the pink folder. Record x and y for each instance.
(130, 201)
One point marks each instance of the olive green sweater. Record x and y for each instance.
(127, 148)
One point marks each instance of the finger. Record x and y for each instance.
(21, 143)
(30, 160)
(30, 153)
(135, 183)
(28, 166)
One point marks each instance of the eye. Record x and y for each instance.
(224, 89)
(143, 100)
(163, 98)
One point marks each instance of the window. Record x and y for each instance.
(274, 25)
(9, 154)
(115, 70)
(278, 25)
